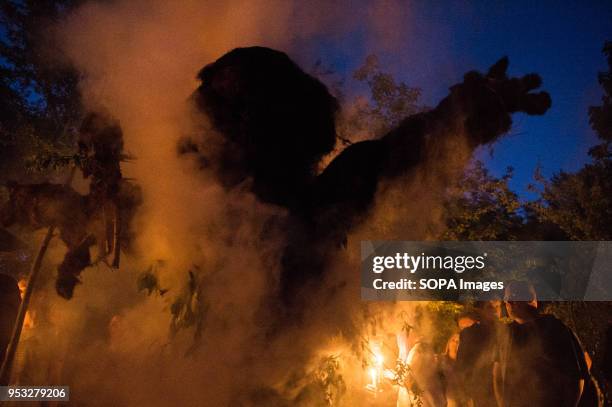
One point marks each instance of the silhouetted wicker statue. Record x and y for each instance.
(276, 123)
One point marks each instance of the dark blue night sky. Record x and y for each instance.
(562, 41)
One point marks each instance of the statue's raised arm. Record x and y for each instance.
(480, 107)
(476, 112)
(273, 124)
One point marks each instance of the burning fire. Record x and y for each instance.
(376, 370)
(28, 321)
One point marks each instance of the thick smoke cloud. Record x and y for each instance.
(139, 61)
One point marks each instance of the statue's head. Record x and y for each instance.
(275, 122)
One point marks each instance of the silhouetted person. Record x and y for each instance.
(447, 363)
(466, 319)
(478, 347)
(9, 306)
(542, 363)
(273, 123)
(607, 359)
(592, 395)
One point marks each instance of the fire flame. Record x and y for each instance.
(376, 370)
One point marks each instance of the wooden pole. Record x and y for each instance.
(7, 364)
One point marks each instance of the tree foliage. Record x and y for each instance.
(580, 203)
(39, 98)
(482, 207)
(387, 103)
(600, 117)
